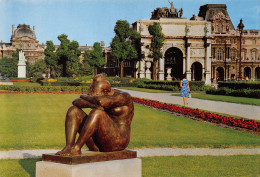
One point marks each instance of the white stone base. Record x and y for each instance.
(114, 168)
(21, 71)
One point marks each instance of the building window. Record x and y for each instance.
(220, 28)
(213, 52)
(220, 54)
(233, 54)
(242, 55)
(253, 54)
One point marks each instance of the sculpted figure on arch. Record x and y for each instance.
(107, 127)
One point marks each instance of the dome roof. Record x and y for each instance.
(24, 30)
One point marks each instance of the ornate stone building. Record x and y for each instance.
(23, 38)
(205, 47)
(187, 46)
(226, 45)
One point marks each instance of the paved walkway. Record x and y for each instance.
(242, 110)
(146, 152)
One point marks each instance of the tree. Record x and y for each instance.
(73, 59)
(94, 57)
(136, 39)
(68, 56)
(85, 68)
(50, 57)
(36, 70)
(123, 44)
(156, 44)
(8, 66)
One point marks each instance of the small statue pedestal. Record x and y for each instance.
(91, 164)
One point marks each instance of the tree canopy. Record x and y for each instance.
(156, 44)
(50, 57)
(8, 66)
(95, 57)
(124, 44)
(68, 56)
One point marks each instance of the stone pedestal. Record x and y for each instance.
(21, 71)
(90, 164)
(21, 65)
(148, 73)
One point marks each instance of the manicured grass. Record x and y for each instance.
(232, 99)
(35, 121)
(26, 84)
(242, 165)
(18, 168)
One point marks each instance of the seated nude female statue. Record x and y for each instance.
(107, 127)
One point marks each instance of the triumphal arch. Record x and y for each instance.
(186, 49)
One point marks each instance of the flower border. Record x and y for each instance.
(202, 115)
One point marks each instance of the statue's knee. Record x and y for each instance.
(72, 111)
(97, 112)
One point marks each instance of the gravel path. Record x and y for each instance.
(146, 152)
(242, 110)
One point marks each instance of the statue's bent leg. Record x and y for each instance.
(74, 119)
(90, 143)
(104, 129)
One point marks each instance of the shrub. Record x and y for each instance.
(237, 85)
(167, 85)
(237, 93)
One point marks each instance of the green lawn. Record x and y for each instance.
(26, 84)
(213, 166)
(34, 121)
(232, 99)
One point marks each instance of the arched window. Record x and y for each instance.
(220, 54)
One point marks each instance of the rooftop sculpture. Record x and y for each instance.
(167, 12)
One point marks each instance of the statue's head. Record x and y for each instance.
(100, 86)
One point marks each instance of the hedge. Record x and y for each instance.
(239, 85)
(250, 93)
(74, 83)
(45, 88)
(168, 85)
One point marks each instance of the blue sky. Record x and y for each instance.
(89, 21)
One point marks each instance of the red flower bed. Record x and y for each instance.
(210, 117)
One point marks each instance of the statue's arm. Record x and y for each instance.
(81, 103)
(116, 100)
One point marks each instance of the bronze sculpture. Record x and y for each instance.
(107, 127)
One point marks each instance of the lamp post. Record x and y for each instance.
(225, 61)
(240, 28)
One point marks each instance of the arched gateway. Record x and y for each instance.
(185, 42)
(174, 62)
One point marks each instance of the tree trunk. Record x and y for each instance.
(154, 70)
(134, 72)
(95, 70)
(122, 69)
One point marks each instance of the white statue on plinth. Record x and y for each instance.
(21, 65)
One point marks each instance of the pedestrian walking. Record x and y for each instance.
(185, 89)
